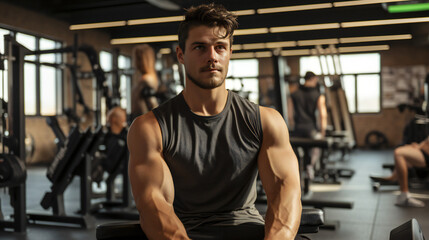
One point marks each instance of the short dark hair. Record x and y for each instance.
(211, 15)
(309, 75)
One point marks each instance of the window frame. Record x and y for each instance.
(355, 75)
(59, 71)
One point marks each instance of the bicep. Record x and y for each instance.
(150, 176)
(277, 162)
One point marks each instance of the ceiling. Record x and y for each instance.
(91, 11)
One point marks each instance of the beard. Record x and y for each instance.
(212, 83)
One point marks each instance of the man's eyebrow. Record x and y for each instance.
(197, 43)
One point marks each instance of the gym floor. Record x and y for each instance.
(372, 217)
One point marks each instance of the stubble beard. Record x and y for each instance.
(211, 84)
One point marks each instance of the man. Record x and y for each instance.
(410, 155)
(117, 120)
(307, 102)
(194, 160)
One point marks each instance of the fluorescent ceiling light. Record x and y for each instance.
(236, 47)
(243, 55)
(384, 22)
(412, 7)
(318, 42)
(363, 48)
(300, 52)
(305, 27)
(165, 38)
(244, 12)
(375, 38)
(253, 46)
(155, 20)
(98, 25)
(165, 50)
(263, 54)
(144, 21)
(263, 45)
(252, 54)
(363, 2)
(250, 31)
(294, 8)
(281, 44)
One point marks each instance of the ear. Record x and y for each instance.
(179, 54)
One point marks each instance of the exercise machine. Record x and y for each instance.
(114, 162)
(14, 160)
(73, 159)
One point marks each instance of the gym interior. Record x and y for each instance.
(65, 64)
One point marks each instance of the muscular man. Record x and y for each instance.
(194, 160)
(411, 155)
(307, 101)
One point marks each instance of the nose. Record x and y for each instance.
(212, 55)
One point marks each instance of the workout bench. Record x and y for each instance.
(311, 219)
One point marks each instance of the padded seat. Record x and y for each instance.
(311, 219)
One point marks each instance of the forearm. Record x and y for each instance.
(283, 214)
(159, 221)
(323, 124)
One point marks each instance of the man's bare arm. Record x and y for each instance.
(279, 172)
(151, 181)
(323, 114)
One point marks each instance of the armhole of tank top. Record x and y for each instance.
(162, 127)
(259, 124)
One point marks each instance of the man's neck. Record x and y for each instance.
(205, 102)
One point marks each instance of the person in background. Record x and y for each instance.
(309, 109)
(406, 156)
(117, 120)
(143, 93)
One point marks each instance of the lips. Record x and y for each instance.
(209, 69)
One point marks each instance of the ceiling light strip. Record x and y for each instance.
(250, 31)
(263, 54)
(363, 2)
(165, 38)
(155, 20)
(98, 25)
(243, 55)
(244, 12)
(294, 8)
(384, 22)
(375, 38)
(305, 27)
(299, 52)
(363, 48)
(281, 44)
(318, 42)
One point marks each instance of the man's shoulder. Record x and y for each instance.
(143, 121)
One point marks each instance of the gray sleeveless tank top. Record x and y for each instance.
(213, 161)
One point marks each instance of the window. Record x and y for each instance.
(360, 76)
(42, 78)
(243, 78)
(124, 65)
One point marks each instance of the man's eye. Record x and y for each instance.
(198, 47)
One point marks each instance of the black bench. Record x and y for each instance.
(311, 219)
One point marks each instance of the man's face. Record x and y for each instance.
(207, 56)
